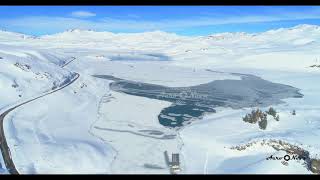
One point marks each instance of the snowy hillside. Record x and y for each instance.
(7, 36)
(27, 72)
(76, 123)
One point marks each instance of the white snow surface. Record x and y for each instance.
(87, 128)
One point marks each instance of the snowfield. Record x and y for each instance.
(59, 129)
(27, 72)
(132, 127)
(88, 128)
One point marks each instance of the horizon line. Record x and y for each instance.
(168, 32)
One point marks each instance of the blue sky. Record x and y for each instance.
(183, 20)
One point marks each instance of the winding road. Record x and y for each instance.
(72, 59)
(3, 143)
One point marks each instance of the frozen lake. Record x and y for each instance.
(194, 101)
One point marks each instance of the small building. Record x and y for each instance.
(175, 164)
(175, 160)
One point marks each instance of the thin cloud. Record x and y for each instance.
(83, 14)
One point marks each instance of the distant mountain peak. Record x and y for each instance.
(305, 26)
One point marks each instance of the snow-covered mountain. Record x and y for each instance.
(26, 72)
(80, 125)
(6, 35)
